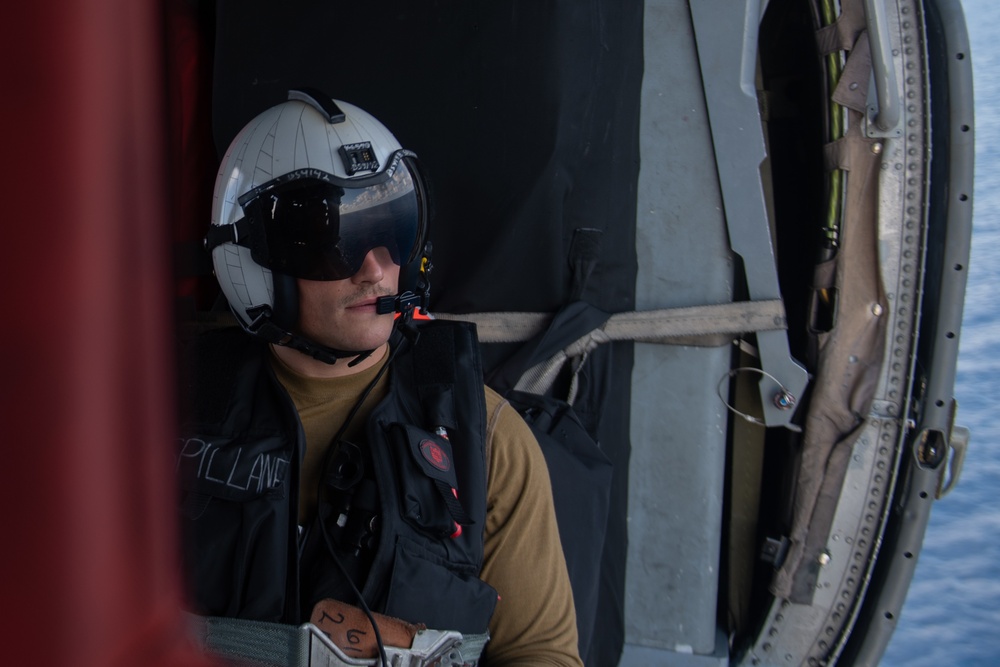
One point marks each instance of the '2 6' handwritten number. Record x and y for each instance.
(354, 635)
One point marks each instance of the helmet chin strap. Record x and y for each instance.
(330, 355)
(264, 327)
(404, 303)
(327, 355)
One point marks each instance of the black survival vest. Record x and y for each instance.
(240, 451)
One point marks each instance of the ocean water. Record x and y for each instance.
(952, 612)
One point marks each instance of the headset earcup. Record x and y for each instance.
(286, 301)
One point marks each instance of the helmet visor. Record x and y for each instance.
(315, 226)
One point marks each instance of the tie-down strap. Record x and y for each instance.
(710, 325)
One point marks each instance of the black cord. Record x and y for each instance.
(327, 541)
(354, 588)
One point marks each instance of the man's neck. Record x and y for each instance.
(306, 365)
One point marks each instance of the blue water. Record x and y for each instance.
(952, 612)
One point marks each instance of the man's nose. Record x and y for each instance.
(372, 268)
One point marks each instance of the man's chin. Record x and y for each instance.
(362, 343)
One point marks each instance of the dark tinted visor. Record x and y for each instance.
(315, 226)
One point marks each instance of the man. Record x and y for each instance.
(343, 464)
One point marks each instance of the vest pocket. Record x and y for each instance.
(425, 589)
(428, 496)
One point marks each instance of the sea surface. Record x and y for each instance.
(952, 612)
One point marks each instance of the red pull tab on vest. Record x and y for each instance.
(458, 528)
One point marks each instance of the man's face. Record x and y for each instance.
(341, 313)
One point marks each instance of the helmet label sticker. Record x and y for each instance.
(359, 157)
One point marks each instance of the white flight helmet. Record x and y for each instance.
(306, 190)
